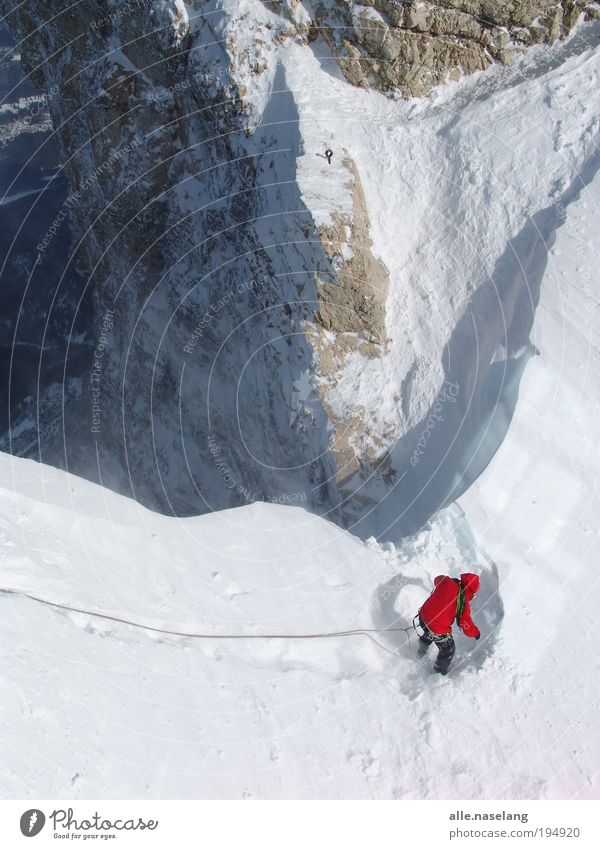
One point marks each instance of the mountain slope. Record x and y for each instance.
(267, 325)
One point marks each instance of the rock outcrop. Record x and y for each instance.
(351, 318)
(354, 303)
(407, 48)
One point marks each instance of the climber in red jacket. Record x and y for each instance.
(448, 603)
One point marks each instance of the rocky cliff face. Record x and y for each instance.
(240, 304)
(37, 304)
(409, 47)
(197, 340)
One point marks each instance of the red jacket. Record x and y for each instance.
(439, 611)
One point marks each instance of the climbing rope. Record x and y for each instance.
(354, 632)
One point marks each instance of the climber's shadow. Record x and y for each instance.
(386, 617)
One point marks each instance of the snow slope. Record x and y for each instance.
(537, 505)
(91, 708)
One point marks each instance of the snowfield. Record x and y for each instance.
(94, 709)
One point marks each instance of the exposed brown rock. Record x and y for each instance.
(351, 317)
(355, 302)
(410, 47)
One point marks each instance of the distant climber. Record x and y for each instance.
(448, 603)
(329, 154)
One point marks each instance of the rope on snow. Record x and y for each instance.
(354, 632)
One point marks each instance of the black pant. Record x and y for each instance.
(445, 644)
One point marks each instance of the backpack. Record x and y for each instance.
(460, 601)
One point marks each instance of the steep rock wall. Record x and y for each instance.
(410, 47)
(197, 337)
